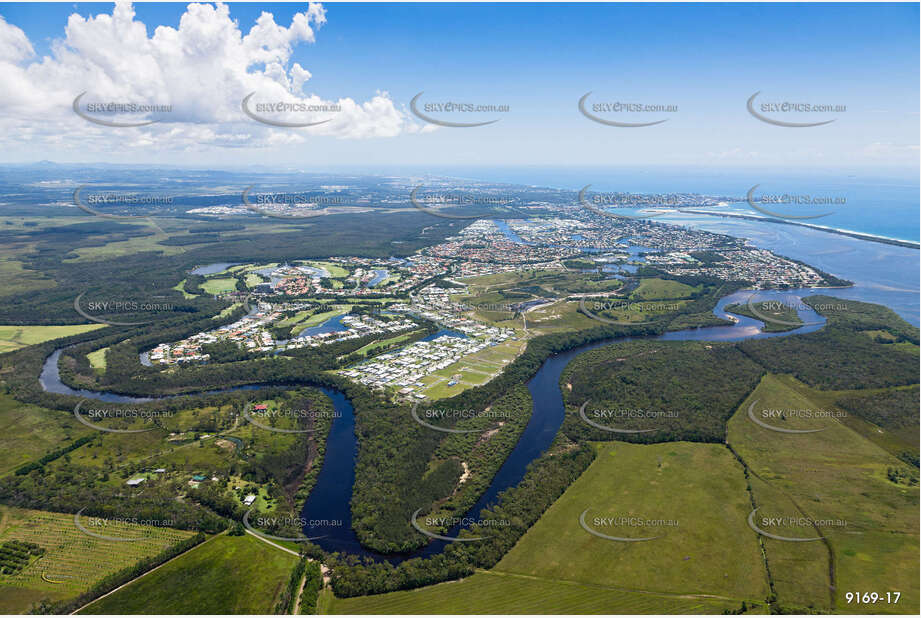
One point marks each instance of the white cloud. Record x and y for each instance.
(14, 44)
(891, 151)
(202, 69)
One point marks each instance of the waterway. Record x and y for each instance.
(327, 509)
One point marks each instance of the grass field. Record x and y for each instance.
(226, 575)
(219, 285)
(489, 592)
(837, 476)
(139, 244)
(97, 359)
(226, 311)
(15, 337)
(779, 319)
(335, 271)
(318, 318)
(654, 289)
(558, 317)
(14, 278)
(73, 560)
(700, 486)
(374, 345)
(180, 287)
(29, 432)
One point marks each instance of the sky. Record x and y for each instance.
(703, 62)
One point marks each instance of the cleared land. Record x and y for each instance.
(657, 289)
(488, 592)
(227, 575)
(97, 359)
(15, 337)
(700, 486)
(219, 285)
(775, 318)
(29, 432)
(833, 476)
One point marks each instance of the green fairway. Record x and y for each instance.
(319, 318)
(710, 550)
(335, 271)
(219, 286)
(489, 592)
(15, 337)
(180, 287)
(833, 475)
(383, 343)
(226, 575)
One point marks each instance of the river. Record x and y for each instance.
(329, 502)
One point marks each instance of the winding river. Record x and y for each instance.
(327, 510)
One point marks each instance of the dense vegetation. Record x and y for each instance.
(288, 598)
(681, 390)
(401, 465)
(392, 473)
(516, 511)
(895, 410)
(147, 276)
(844, 354)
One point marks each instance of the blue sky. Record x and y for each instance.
(539, 59)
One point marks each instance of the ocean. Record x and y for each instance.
(873, 203)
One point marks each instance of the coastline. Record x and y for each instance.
(910, 244)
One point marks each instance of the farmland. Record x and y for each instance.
(832, 475)
(490, 592)
(226, 575)
(73, 560)
(30, 431)
(710, 550)
(15, 337)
